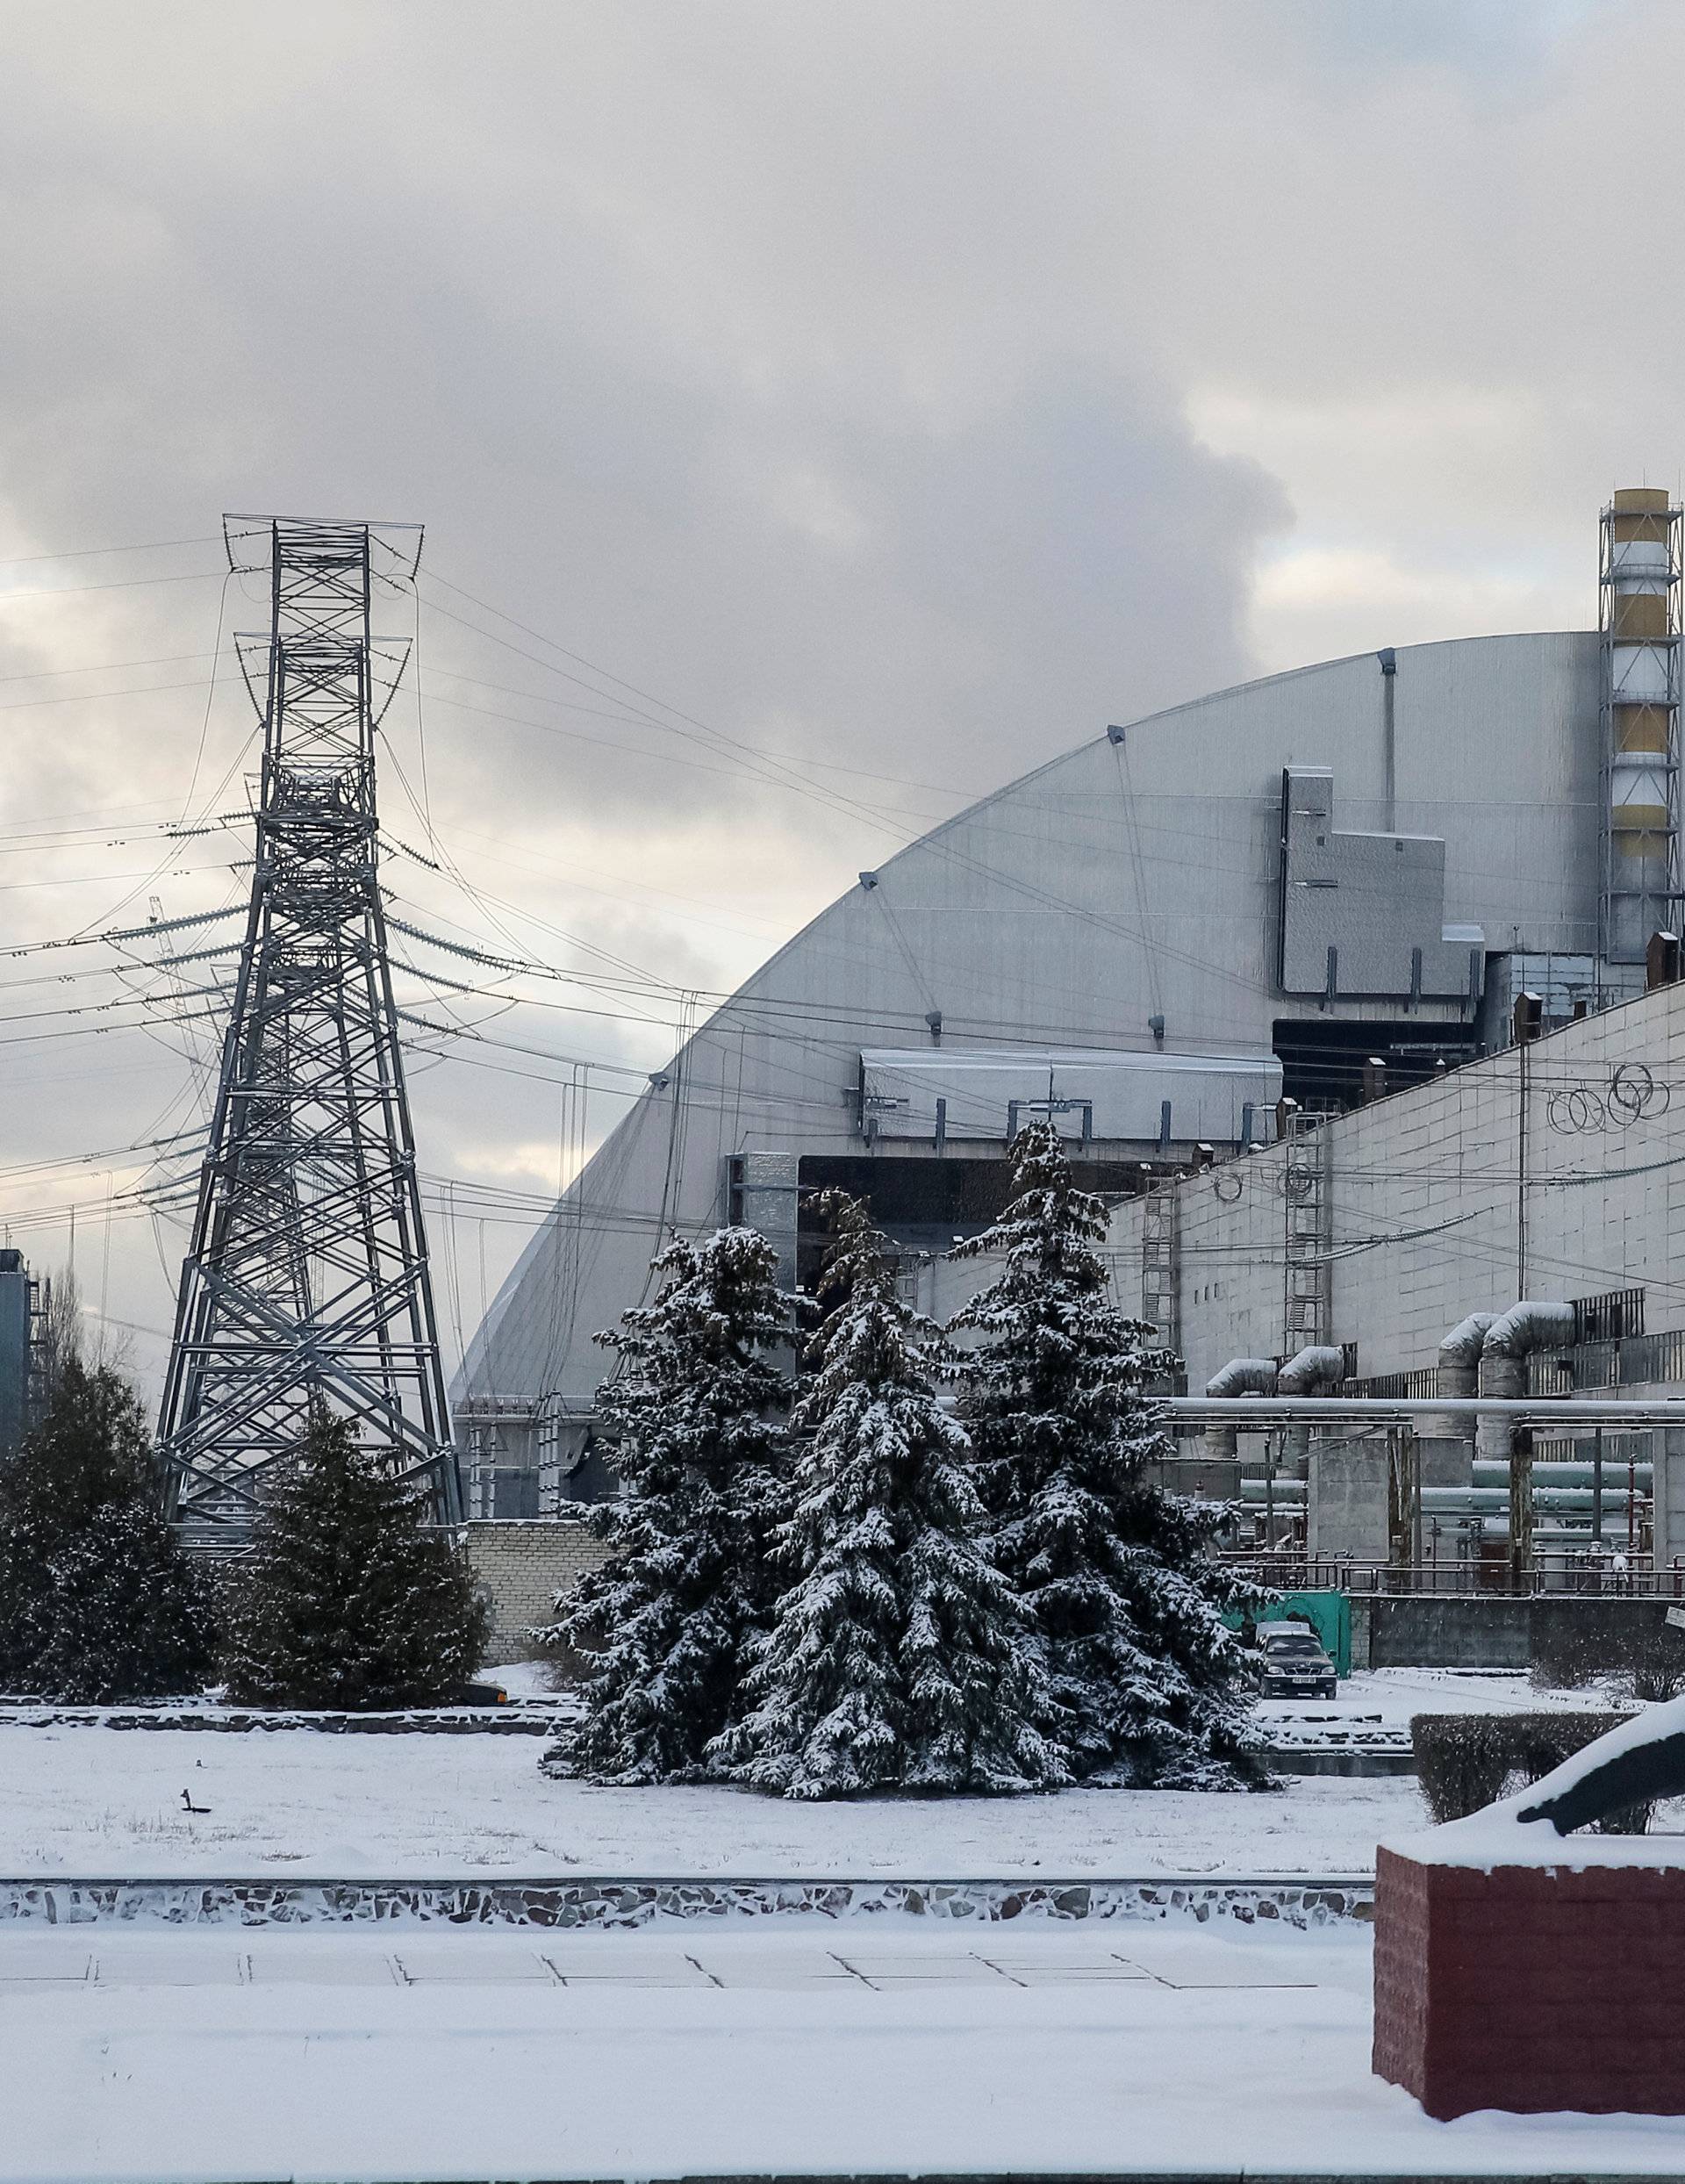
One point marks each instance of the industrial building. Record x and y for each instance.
(1192, 941)
(23, 1307)
(1515, 1229)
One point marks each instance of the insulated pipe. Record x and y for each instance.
(1406, 1411)
(1458, 1375)
(1510, 1341)
(1317, 1366)
(1460, 1355)
(1240, 1376)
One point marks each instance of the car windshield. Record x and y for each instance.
(1293, 1644)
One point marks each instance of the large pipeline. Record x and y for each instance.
(1318, 1366)
(1510, 1341)
(1240, 1376)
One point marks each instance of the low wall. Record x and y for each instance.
(538, 1720)
(1493, 1631)
(1421, 1632)
(1529, 1988)
(523, 1562)
(490, 1901)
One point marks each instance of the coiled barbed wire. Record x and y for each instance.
(1633, 1093)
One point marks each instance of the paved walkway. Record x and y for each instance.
(866, 1956)
(874, 2045)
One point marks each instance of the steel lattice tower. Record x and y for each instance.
(306, 1277)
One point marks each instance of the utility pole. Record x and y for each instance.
(306, 1277)
(1521, 1169)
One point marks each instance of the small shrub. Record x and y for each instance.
(1626, 1645)
(1464, 1762)
(349, 1599)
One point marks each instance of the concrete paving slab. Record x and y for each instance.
(28, 1957)
(315, 1965)
(963, 1966)
(1075, 1975)
(170, 1963)
(476, 1966)
(818, 1969)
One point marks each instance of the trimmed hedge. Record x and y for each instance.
(1466, 1761)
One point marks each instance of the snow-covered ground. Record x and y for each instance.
(526, 1681)
(1395, 1694)
(899, 2049)
(1375, 1706)
(107, 1803)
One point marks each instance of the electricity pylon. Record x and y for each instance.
(306, 1277)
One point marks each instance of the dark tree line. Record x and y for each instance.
(346, 1598)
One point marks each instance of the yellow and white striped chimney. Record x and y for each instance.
(1640, 630)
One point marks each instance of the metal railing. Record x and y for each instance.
(1636, 1360)
(1571, 1573)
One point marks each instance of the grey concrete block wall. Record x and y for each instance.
(1425, 1633)
(1417, 1631)
(1347, 1500)
(523, 1563)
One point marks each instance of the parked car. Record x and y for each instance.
(1292, 1665)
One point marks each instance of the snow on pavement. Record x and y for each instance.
(318, 2059)
(99, 1803)
(1395, 1694)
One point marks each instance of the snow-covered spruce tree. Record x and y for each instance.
(695, 1415)
(899, 1659)
(1114, 1571)
(97, 1602)
(349, 1598)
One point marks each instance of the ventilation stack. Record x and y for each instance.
(1639, 624)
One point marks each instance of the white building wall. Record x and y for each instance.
(1425, 1197)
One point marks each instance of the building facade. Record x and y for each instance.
(1183, 940)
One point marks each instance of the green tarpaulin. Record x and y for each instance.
(1328, 1613)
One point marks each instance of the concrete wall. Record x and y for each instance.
(1425, 1193)
(1412, 1633)
(1420, 1632)
(523, 1564)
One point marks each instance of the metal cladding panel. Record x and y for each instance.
(1116, 1097)
(1120, 881)
(1425, 1201)
(1363, 913)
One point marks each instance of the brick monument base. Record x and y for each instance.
(1533, 1987)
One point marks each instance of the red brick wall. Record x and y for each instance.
(1530, 1987)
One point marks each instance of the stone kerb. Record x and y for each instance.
(489, 1900)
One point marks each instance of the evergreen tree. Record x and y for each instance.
(350, 1598)
(1114, 1571)
(899, 1659)
(695, 1417)
(97, 1602)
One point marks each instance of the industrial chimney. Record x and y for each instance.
(1639, 624)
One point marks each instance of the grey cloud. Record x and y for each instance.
(828, 370)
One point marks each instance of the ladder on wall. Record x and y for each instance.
(1307, 1235)
(1160, 1286)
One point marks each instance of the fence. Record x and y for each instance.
(1637, 1360)
(1572, 1572)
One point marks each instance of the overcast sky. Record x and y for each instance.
(888, 394)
